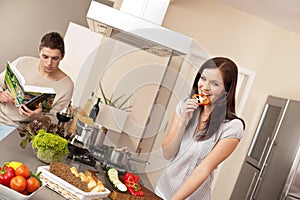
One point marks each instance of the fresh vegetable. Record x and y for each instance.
(113, 177)
(50, 147)
(32, 184)
(18, 183)
(22, 170)
(21, 180)
(132, 183)
(6, 174)
(30, 130)
(14, 164)
(201, 99)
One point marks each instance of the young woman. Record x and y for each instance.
(201, 137)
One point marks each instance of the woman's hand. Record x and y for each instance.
(187, 111)
(6, 97)
(35, 114)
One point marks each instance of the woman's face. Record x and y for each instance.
(211, 84)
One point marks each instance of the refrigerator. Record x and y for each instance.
(270, 166)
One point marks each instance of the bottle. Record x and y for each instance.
(69, 111)
(88, 105)
(95, 109)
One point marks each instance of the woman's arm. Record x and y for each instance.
(219, 153)
(172, 140)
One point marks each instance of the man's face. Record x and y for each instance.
(49, 59)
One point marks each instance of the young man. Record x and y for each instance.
(43, 71)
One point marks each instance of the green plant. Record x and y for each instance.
(115, 102)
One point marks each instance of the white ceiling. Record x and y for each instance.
(285, 13)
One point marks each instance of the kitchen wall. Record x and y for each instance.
(254, 44)
(23, 23)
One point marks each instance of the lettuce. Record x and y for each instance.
(50, 146)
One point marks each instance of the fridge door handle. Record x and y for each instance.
(263, 152)
(251, 189)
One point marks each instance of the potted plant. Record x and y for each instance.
(113, 111)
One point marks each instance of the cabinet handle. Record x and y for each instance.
(263, 152)
(251, 186)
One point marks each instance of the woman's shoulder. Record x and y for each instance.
(233, 129)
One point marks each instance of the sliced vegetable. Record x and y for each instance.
(113, 177)
(201, 99)
(132, 183)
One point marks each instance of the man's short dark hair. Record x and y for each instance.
(53, 40)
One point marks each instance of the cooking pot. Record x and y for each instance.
(90, 136)
(121, 156)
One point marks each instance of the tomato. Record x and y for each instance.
(18, 183)
(23, 170)
(33, 184)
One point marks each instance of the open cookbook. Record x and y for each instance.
(29, 95)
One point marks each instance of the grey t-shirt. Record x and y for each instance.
(191, 153)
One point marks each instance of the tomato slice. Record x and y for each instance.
(201, 99)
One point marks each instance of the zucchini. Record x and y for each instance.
(113, 177)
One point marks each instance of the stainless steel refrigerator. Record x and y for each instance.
(269, 168)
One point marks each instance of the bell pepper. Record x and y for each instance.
(131, 177)
(201, 99)
(132, 183)
(14, 164)
(6, 174)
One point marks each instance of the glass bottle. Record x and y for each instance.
(88, 105)
(95, 110)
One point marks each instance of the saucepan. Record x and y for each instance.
(121, 157)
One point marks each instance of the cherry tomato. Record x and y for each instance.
(18, 183)
(33, 184)
(23, 170)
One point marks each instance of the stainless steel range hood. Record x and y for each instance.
(136, 31)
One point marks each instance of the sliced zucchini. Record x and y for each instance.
(121, 187)
(113, 177)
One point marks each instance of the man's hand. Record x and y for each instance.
(35, 114)
(6, 97)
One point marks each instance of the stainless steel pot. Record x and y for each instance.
(91, 137)
(120, 157)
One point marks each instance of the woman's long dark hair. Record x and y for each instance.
(224, 109)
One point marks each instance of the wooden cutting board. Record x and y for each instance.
(116, 195)
(149, 195)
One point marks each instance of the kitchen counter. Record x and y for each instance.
(11, 150)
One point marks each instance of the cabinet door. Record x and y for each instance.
(244, 187)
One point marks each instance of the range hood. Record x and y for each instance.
(136, 31)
